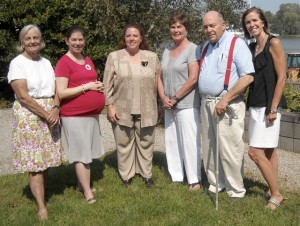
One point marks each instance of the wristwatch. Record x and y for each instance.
(272, 111)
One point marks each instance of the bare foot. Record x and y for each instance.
(43, 214)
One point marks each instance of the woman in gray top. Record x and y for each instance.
(177, 90)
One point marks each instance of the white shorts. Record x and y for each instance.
(261, 135)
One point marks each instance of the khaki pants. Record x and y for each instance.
(231, 146)
(134, 149)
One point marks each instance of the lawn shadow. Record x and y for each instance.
(204, 180)
(159, 160)
(64, 176)
(254, 187)
(110, 159)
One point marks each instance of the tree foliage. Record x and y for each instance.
(287, 20)
(103, 21)
(231, 10)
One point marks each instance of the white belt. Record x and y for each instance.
(229, 108)
(211, 98)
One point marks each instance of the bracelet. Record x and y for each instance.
(56, 106)
(83, 90)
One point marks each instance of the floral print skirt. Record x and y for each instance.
(36, 146)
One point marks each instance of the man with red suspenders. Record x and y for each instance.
(225, 72)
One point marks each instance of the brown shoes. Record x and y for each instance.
(148, 182)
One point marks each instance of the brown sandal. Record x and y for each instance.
(195, 187)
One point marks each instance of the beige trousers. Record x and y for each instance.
(231, 147)
(134, 149)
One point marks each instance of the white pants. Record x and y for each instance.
(231, 147)
(182, 139)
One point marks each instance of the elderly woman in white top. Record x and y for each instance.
(36, 138)
(176, 86)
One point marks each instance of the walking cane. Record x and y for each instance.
(217, 162)
(233, 116)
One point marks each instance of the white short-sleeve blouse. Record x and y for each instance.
(39, 75)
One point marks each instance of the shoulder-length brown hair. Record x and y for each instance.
(260, 15)
(144, 44)
(182, 19)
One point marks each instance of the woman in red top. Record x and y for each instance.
(82, 101)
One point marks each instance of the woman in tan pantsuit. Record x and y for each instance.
(130, 79)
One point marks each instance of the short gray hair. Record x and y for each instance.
(24, 31)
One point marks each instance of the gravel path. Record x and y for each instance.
(289, 173)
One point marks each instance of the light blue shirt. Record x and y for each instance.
(212, 72)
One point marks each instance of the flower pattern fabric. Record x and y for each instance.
(36, 146)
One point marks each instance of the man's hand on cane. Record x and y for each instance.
(221, 107)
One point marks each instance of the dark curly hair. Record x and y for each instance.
(74, 28)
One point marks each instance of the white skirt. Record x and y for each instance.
(81, 139)
(261, 135)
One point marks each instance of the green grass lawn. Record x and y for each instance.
(165, 204)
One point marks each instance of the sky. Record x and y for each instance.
(271, 5)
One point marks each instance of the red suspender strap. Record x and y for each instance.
(229, 61)
(203, 56)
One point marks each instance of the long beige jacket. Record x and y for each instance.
(118, 83)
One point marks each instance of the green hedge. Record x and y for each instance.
(293, 99)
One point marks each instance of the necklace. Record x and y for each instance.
(261, 44)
